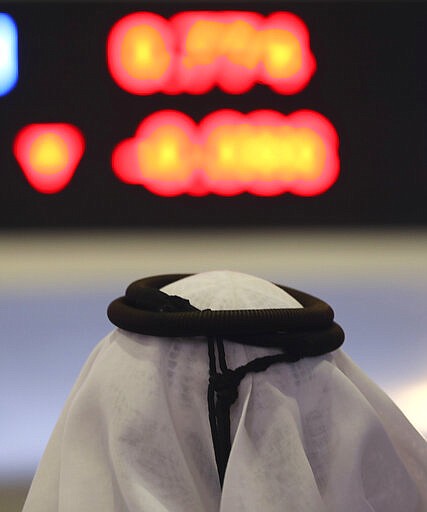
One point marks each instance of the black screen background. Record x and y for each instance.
(370, 83)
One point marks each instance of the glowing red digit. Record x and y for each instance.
(197, 50)
(263, 152)
(140, 53)
(48, 154)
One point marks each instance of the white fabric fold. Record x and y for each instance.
(312, 436)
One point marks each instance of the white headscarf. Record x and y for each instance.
(311, 436)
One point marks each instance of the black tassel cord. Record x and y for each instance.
(223, 392)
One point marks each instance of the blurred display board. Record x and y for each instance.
(179, 114)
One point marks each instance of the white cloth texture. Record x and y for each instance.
(313, 436)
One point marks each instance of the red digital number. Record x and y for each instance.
(264, 153)
(195, 51)
(48, 154)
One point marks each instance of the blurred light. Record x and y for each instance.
(139, 53)
(194, 51)
(264, 153)
(49, 154)
(8, 54)
(412, 400)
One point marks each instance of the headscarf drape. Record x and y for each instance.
(312, 436)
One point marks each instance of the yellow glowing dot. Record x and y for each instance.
(282, 53)
(306, 156)
(49, 154)
(226, 152)
(168, 154)
(144, 55)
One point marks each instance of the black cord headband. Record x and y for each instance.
(301, 332)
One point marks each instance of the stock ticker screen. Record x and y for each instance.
(178, 114)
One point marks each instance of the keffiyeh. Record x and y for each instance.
(316, 435)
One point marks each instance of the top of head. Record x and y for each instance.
(227, 290)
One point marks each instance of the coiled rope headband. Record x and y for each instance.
(301, 332)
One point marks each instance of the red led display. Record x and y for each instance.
(264, 153)
(195, 51)
(48, 154)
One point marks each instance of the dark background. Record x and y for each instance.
(370, 83)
